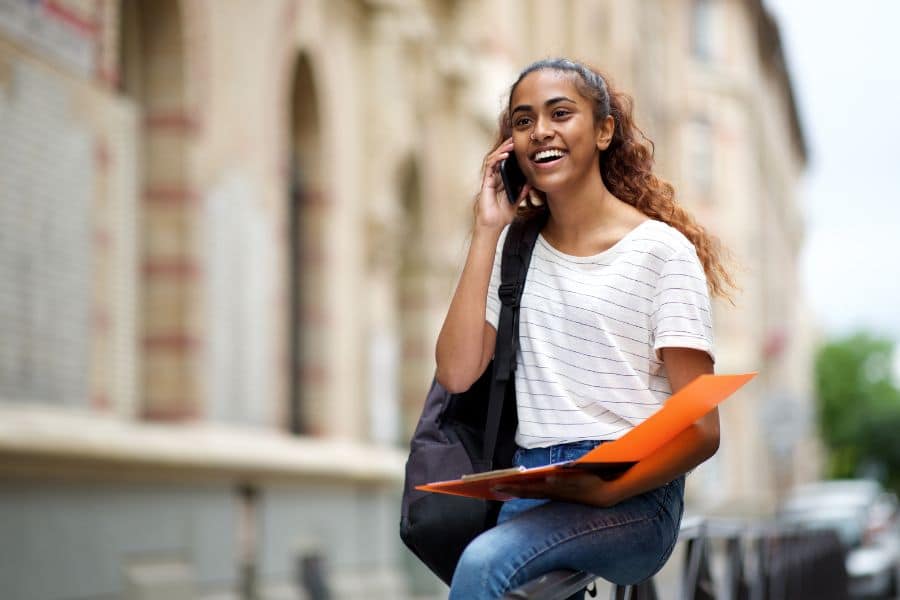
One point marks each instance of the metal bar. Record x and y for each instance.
(556, 585)
(763, 560)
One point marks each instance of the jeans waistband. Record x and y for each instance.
(533, 457)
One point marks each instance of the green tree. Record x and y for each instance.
(859, 406)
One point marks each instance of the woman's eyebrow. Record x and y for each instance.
(551, 101)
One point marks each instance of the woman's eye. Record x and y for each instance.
(560, 113)
(522, 121)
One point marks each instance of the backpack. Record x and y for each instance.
(469, 432)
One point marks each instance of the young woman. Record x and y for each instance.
(615, 316)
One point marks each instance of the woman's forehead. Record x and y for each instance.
(542, 84)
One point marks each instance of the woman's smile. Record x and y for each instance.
(547, 158)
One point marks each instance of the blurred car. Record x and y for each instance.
(865, 518)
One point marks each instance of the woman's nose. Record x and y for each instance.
(542, 130)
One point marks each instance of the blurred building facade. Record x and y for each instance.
(229, 232)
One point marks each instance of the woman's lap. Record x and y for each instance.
(624, 544)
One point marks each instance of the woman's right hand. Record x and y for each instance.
(492, 209)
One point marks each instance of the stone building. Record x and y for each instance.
(229, 232)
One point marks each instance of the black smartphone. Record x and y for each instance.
(512, 176)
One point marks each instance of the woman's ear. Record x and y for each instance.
(605, 132)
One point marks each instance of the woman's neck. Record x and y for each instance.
(577, 217)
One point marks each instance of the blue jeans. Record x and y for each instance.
(624, 544)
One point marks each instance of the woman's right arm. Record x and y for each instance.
(466, 342)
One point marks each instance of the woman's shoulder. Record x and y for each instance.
(664, 240)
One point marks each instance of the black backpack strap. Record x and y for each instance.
(517, 248)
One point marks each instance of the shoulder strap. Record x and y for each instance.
(514, 263)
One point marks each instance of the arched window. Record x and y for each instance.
(416, 355)
(307, 214)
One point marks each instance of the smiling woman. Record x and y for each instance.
(625, 160)
(614, 317)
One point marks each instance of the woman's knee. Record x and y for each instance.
(483, 566)
(481, 555)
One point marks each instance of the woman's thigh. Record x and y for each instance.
(624, 544)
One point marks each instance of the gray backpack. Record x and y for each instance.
(469, 432)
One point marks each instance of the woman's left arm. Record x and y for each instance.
(684, 452)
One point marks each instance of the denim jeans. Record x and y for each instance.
(624, 544)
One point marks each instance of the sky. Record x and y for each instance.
(842, 58)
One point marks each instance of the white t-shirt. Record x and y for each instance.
(591, 328)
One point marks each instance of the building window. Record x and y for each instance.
(47, 194)
(702, 29)
(306, 252)
(699, 155)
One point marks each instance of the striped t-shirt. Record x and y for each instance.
(591, 328)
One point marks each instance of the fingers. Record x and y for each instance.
(534, 489)
(518, 491)
(504, 148)
(493, 159)
(525, 189)
(552, 486)
(492, 207)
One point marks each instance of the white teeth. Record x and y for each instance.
(548, 154)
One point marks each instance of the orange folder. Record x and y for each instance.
(611, 459)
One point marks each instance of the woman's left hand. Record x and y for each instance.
(580, 487)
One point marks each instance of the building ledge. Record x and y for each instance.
(50, 442)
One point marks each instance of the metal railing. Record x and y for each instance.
(756, 562)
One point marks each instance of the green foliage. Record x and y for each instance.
(859, 406)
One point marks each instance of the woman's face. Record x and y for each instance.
(554, 135)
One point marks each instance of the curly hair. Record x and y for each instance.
(626, 167)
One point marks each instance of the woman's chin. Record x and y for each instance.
(560, 185)
(552, 188)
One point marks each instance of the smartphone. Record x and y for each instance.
(512, 176)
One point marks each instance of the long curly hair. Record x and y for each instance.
(627, 168)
